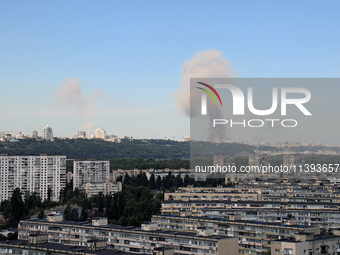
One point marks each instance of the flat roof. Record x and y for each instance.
(129, 228)
(236, 221)
(315, 238)
(249, 202)
(61, 248)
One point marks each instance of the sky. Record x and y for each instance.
(119, 65)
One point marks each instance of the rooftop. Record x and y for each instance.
(60, 248)
(236, 221)
(127, 228)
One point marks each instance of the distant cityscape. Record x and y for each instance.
(100, 133)
(47, 134)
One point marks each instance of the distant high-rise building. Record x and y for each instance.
(47, 133)
(20, 136)
(100, 133)
(35, 134)
(89, 172)
(130, 137)
(81, 134)
(293, 160)
(224, 160)
(32, 174)
(186, 138)
(256, 160)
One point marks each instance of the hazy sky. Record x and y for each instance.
(118, 64)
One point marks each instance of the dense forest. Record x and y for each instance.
(135, 163)
(100, 149)
(140, 149)
(141, 164)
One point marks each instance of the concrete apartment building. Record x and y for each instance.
(81, 134)
(290, 159)
(39, 245)
(212, 196)
(214, 193)
(195, 207)
(253, 237)
(308, 244)
(100, 133)
(224, 160)
(145, 240)
(321, 218)
(106, 187)
(32, 174)
(256, 160)
(159, 172)
(90, 172)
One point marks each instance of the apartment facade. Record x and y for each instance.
(47, 133)
(90, 172)
(221, 196)
(308, 244)
(253, 237)
(32, 174)
(100, 133)
(107, 188)
(256, 160)
(42, 247)
(224, 160)
(145, 240)
(325, 219)
(159, 173)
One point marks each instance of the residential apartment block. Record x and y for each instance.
(253, 237)
(159, 173)
(213, 194)
(47, 133)
(307, 244)
(224, 160)
(145, 240)
(90, 172)
(38, 245)
(107, 188)
(32, 174)
(256, 160)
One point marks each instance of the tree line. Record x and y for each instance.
(139, 199)
(99, 149)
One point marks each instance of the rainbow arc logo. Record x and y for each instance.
(209, 93)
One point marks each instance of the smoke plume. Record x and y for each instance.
(204, 64)
(70, 95)
(210, 63)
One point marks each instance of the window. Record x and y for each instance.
(277, 250)
(288, 251)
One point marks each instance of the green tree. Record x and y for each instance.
(159, 183)
(73, 215)
(100, 203)
(152, 182)
(126, 179)
(178, 181)
(17, 206)
(12, 236)
(67, 211)
(49, 194)
(83, 215)
(41, 214)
